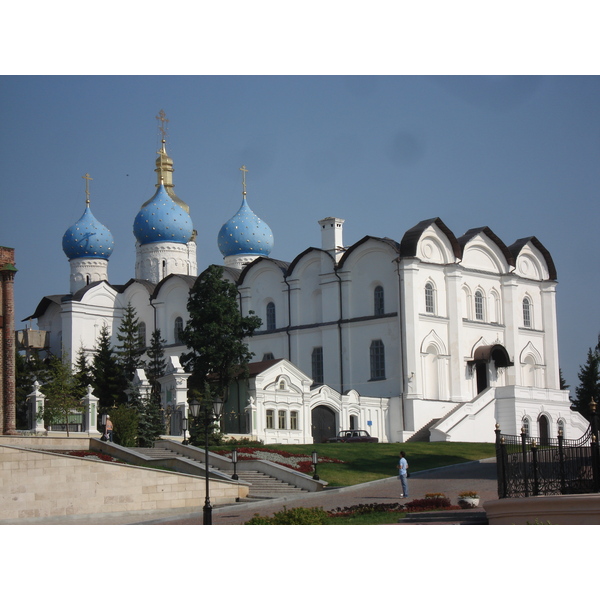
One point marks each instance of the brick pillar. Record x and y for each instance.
(10, 412)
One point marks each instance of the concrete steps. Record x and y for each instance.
(263, 486)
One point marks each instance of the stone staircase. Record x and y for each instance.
(263, 486)
(422, 435)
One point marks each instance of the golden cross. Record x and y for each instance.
(87, 188)
(162, 117)
(244, 171)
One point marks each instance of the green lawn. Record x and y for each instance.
(369, 462)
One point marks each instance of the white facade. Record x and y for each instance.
(456, 334)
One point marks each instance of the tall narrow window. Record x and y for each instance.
(317, 365)
(281, 419)
(270, 418)
(429, 299)
(271, 316)
(377, 360)
(526, 312)
(294, 419)
(478, 306)
(268, 356)
(178, 329)
(378, 301)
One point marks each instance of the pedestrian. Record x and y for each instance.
(109, 429)
(403, 474)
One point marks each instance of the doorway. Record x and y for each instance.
(323, 424)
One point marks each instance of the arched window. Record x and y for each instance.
(479, 312)
(526, 312)
(317, 365)
(178, 329)
(142, 334)
(271, 316)
(377, 352)
(378, 301)
(429, 299)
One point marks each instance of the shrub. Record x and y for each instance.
(125, 425)
(294, 516)
(430, 502)
(364, 509)
(468, 494)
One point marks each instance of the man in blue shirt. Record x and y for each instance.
(403, 474)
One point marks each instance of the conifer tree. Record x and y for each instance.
(82, 369)
(108, 379)
(215, 334)
(131, 346)
(589, 387)
(150, 424)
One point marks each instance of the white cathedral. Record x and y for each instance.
(433, 335)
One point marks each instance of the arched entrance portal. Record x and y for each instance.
(323, 424)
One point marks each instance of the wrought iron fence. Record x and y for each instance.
(533, 466)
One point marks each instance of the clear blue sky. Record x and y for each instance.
(520, 155)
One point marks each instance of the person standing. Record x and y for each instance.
(403, 474)
(109, 429)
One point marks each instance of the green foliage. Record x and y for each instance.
(589, 386)
(156, 364)
(198, 426)
(294, 516)
(215, 334)
(63, 391)
(28, 369)
(83, 371)
(125, 425)
(108, 379)
(131, 347)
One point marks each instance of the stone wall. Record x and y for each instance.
(34, 483)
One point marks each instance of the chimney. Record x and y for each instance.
(332, 234)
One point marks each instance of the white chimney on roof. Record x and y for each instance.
(332, 236)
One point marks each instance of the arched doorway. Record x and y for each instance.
(323, 424)
(544, 427)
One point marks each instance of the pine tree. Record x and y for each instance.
(82, 369)
(215, 334)
(131, 347)
(589, 377)
(108, 379)
(150, 425)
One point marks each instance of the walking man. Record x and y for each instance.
(403, 474)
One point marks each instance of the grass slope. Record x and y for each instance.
(369, 462)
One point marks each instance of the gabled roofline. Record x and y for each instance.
(283, 266)
(392, 243)
(300, 256)
(516, 248)
(188, 279)
(469, 235)
(410, 240)
(43, 306)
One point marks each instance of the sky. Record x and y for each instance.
(360, 111)
(519, 154)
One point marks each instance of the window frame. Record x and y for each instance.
(429, 298)
(527, 313)
(377, 360)
(378, 301)
(479, 306)
(317, 365)
(270, 418)
(177, 329)
(282, 419)
(271, 316)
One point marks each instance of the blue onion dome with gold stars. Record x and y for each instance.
(162, 220)
(88, 238)
(245, 233)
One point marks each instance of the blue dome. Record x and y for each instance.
(245, 233)
(162, 220)
(88, 238)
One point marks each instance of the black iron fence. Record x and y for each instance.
(532, 466)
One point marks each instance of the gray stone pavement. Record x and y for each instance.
(478, 475)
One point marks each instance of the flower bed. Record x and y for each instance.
(87, 454)
(298, 462)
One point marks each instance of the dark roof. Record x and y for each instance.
(256, 368)
(43, 306)
(302, 255)
(410, 241)
(283, 266)
(189, 279)
(516, 248)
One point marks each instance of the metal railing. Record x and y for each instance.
(533, 466)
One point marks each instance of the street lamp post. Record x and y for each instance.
(208, 420)
(234, 459)
(315, 461)
(184, 426)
